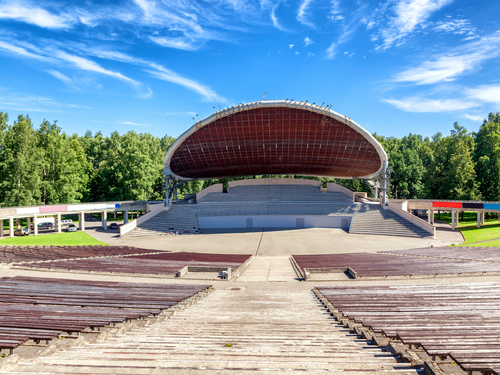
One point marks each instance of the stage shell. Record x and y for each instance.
(275, 137)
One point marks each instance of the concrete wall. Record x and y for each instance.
(274, 221)
(273, 181)
(215, 188)
(332, 187)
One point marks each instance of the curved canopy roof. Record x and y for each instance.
(275, 137)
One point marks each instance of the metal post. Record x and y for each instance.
(104, 218)
(11, 227)
(384, 187)
(82, 221)
(59, 223)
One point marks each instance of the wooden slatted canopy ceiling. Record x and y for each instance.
(275, 137)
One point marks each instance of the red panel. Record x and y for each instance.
(52, 209)
(275, 141)
(447, 204)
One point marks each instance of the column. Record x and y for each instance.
(478, 219)
(104, 219)
(429, 219)
(28, 219)
(11, 227)
(35, 224)
(457, 215)
(453, 220)
(432, 217)
(482, 218)
(81, 219)
(1, 228)
(59, 223)
(125, 217)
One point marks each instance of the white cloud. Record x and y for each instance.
(308, 41)
(91, 66)
(409, 14)
(21, 51)
(302, 14)
(485, 93)
(416, 104)
(457, 26)
(59, 76)
(178, 43)
(477, 118)
(167, 75)
(146, 95)
(31, 14)
(275, 20)
(448, 67)
(335, 11)
(133, 123)
(291, 46)
(31, 103)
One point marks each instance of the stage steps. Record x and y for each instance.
(378, 221)
(230, 331)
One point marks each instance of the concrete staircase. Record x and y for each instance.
(176, 218)
(230, 332)
(378, 221)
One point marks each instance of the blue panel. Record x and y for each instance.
(117, 205)
(491, 206)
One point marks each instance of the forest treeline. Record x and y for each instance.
(44, 165)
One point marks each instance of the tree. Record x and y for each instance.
(487, 157)
(451, 174)
(21, 160)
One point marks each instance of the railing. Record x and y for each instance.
(413, 219)
(155, 209)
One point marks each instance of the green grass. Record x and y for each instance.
(488, 232)
(58, 239)
(470, 218)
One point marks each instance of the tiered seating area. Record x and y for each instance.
(454, 324)
(275, 193)
(43, 309)
(230, 332)
(19, 254)
(486, 254)
(292, 200)
(168, 264)
(383, 265)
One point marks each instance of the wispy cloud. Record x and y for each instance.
(34, 15)
(449, 66)
(409, 14)
(30, 103)
(177, 43)
(308, 41)
(456, 26)
(133, 124)
(335, 11)
(88, 65)
(164, 74)
(486, 93)
(291, 45)
(303, 14)
(59, 76)
(423, 105)
(477, 118)
(276, 23)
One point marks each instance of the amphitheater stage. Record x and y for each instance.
(279, 241)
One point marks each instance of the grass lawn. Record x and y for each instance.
(470, 218)
(487, 232)
(57, 239)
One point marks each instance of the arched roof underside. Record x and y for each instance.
(275, 137)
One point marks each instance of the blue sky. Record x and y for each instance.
(395, 67)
